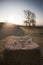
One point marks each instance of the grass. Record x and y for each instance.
(37, 35)
(34, 32)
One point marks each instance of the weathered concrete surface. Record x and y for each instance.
(21, 50)
(20, 42)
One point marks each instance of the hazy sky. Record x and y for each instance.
(12, 10)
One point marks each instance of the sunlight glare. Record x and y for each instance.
(16, 18)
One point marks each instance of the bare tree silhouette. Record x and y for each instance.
(30, 18)
(33, 22)
(26, 23)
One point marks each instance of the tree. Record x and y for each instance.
(30, 17)
(26, 23)
(33, 22)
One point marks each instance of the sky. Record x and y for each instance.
(13, 10)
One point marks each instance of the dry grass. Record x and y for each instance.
(35, 33)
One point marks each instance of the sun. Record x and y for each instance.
(16, 18)
(10, 19)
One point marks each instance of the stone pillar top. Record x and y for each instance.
(20, 42)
